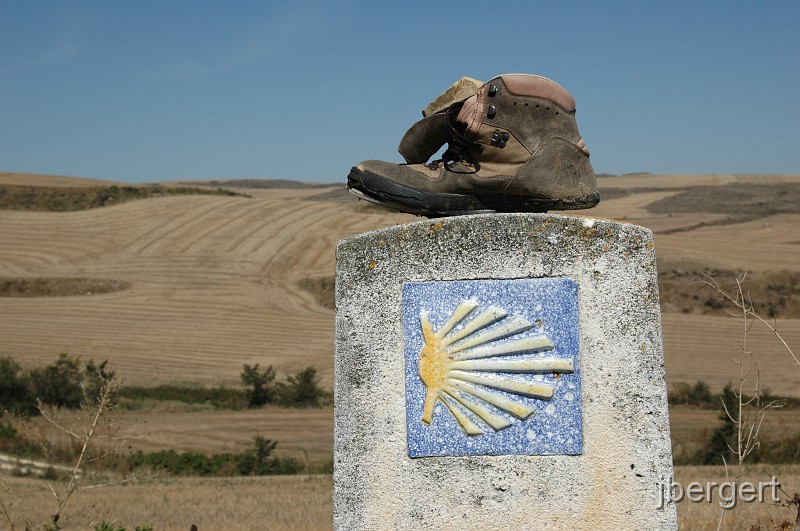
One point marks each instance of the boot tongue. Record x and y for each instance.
(471, 113)
(458, 91)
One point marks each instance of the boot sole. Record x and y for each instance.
(379, 190)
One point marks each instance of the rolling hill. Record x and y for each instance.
(216, 282)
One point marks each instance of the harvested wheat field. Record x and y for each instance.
(746, 223)
(708, 513)
(212, 283)
(189, 288)
(174, 504)
(215, 282)
(305, 502)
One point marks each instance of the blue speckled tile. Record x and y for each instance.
(549, 306)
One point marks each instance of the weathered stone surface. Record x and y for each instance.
(612, 484)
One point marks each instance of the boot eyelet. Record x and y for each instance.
(499, 139)
(491, 111)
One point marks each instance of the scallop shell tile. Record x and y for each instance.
(492, 367)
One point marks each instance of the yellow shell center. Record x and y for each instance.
(432, 369)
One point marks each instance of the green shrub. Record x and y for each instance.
(260, 390)
(302, 389)
(15, 391)
(59, 384)
(722, 438)
(186, 463)
(771, 450)
(11, 442)
(219, 397)
(7, 432)
(94, 376)
(256, 461)
(698, 395)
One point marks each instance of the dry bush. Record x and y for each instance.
(743, 402)
(84, 431)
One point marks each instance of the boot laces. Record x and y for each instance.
(459, 147)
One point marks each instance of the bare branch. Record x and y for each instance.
(725, 407)
(49, 417)
(773, 328)
(4, 508)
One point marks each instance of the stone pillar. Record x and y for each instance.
(500, 371)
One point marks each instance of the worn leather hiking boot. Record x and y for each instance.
(513, 146)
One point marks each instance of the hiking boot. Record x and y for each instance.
(513, 146)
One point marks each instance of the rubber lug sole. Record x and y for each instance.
(379, 190)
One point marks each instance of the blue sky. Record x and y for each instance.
(176, 90)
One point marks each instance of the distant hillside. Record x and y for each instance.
(67, 199)
(259, 183)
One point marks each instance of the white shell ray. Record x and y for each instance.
(487, 317)
(460, 313)
(530, 344)
(529, 365)
(495, 420)
(516, 325)
(534, 388)
(519, 409)
(469, 426)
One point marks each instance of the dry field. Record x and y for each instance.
(746, 516)
(305, 503)
(217, 282)
(174, 504)
(211, 283)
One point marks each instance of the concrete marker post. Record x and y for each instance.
(500, 371)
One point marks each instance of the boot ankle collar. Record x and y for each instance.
(538, 87)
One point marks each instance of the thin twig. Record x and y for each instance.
(6, 513)
(709, 281)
